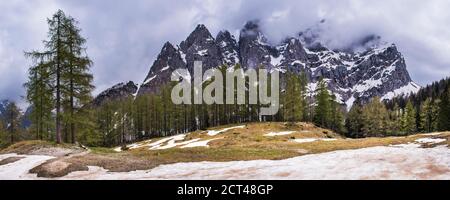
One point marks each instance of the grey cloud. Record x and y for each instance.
(124, 37)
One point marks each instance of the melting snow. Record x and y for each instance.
(271, 134)
(431, 134)
(215, 132)
(20, 168)
(408, 162)
(430, 140)
(170, 140)
(308, 140)
(198, 143)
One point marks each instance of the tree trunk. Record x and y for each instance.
(58, 91)
(72, 124)
(11, 124)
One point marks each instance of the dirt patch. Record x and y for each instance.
(10, 160)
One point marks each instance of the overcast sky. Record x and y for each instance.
(124, 37)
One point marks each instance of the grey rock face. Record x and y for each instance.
(368, 70)
(254, 48)
(3, 105)
(168, 60)
(201, 46)
(229, 48)
(117, 92)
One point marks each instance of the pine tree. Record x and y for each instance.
(375, 119)
(76, 74)
(444, 112)
(2, 134)
(395, 120)
(323, 108)
(409, 119)
(353, 122)
(39, 95)
(66, 69)
(54, 58)
(337, 116)
(12, 119)
(428, 116)
(293, 98)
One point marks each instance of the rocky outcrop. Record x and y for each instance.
(117, 92)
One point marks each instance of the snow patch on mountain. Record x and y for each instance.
(405, 90)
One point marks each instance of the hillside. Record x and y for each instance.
(259, 147)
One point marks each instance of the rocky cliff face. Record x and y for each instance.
(117, 92)
(3, 105)
(373, 69)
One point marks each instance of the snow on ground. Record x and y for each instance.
(430, 140)
(307, 140)
(431, 134)
(407, 162)
(198, 143)
(170, 142)
(215, 132)
(272, 134)
(20, 168)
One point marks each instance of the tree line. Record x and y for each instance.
(423, 112)
(154, 115)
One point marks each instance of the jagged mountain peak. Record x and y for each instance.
(228, 47)
(378, 69)
(252, 32)
(167, 47)
(225, 35)
(201, 35)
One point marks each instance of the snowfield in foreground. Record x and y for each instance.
(407, 161)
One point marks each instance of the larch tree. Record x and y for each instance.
(39, 95)
(444, 112)
(428, 116)
(323, 108)
(76, 75)
(353, 122)
(409, 119)
(12, 119)
(67, 66)
(375, 119)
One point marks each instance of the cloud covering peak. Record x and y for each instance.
(124, 37)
